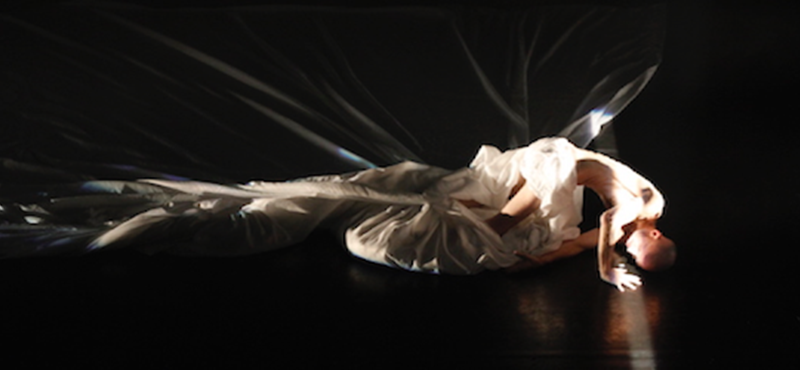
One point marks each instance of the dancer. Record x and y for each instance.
(633, 207)
(514, 209)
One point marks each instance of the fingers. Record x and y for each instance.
(629, 286)
(626, 280)
(629, 281)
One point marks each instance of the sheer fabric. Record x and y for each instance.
(406, 216)
(131, 126)
(283, 92)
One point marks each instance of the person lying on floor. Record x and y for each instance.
(511, 210)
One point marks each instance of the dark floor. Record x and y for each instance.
(721, 112)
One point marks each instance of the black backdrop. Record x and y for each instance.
(722, 110)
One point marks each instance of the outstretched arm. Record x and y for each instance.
(567, 249)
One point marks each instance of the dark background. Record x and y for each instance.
(714, 129)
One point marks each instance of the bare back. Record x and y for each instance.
(616, 183)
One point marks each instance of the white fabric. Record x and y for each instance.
(405, 216)
(442, 235)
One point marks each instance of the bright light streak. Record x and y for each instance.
(307, 134)
(33, 220)
(114, 187)
(598, 117)
(352, 157)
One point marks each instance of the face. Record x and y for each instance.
(641, 240)
(649, 247)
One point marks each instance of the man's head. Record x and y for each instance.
(652, 250)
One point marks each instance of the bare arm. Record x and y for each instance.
(611, 223)
(521, 205)
(567, 249)
(607, 258)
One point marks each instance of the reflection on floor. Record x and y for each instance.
(314, 305)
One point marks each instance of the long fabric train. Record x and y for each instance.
(409, 215)
(92, 215)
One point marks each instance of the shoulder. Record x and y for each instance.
(621, 181)
(619, 170)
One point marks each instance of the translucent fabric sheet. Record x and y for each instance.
(283, 92)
